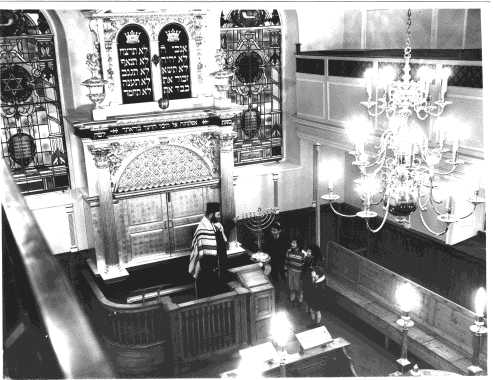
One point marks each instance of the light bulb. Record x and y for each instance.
(480, 302)
(358, 131)
(406, 297)
(386, 75)
(425, 73)
(281, 328)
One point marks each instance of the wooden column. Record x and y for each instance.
(108, 261)
(276, 177)
(226, 166)
(315, 191)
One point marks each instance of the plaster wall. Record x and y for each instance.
(314, 28)
(431, 28)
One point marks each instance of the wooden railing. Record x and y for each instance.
(48, 333)
(126, 324)
(163, 338)
(210, 325)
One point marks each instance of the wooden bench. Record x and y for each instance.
(441, 335)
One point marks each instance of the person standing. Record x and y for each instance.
(208, 257)
(294, 265)
(276, 245)
(314, 283)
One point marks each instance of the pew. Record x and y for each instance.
(441, 335)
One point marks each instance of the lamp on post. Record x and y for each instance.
(406, 296)
(478, 330)
(281, 330)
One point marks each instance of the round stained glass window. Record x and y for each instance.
(248, 17)
(21, 148)
(16, 84)
(248, 67)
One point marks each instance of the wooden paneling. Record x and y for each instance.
(311, 96)
(442, 268)
(446, 322)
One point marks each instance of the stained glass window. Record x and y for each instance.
(251, 40)
(32, 132)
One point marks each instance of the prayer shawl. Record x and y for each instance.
(203, 243)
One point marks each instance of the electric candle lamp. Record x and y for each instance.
(330, 184)
(407, 299)
(480, 302)
(402, 144)
(478, 330)
(449, 202)
(281, 330)
(445, 73)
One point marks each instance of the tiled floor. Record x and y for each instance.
(369, 357)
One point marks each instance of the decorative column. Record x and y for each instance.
(69, 209)
(276, 177)
(226, 167)
(108, 261)
(315, 191)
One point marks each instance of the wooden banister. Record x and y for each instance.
(52, 300)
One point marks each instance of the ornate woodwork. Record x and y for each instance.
(167, 68)
(165, 336)
(150, 172)
(148, 189)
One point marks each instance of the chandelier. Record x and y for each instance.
(401, 173)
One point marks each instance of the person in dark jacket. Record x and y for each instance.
(315, 294)
(276, 245)
(314, 282)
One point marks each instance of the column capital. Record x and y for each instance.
(100, 155)
(225, 135)
(226, 139)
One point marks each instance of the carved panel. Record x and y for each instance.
(152, 22)
(161, 166)
(204, 144)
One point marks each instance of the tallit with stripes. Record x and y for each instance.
(203, 243)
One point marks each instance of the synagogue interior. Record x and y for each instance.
(207, 191)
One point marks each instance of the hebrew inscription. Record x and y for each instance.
(135, 64)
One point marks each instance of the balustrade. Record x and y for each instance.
(160, 335)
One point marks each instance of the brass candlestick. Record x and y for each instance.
(479, 330)
(405, 323)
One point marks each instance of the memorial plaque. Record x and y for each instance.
(174, 58)
(135, 65)
(21, 148)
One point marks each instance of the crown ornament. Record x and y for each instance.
(173, 35)
(132, 37)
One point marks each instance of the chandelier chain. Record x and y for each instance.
(408, 46)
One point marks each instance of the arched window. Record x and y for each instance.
(32, 132)
(252, 42)
(174, 58)
(135, 64)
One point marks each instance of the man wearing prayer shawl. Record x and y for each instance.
(208, 256)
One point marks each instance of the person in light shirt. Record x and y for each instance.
(294, 266)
